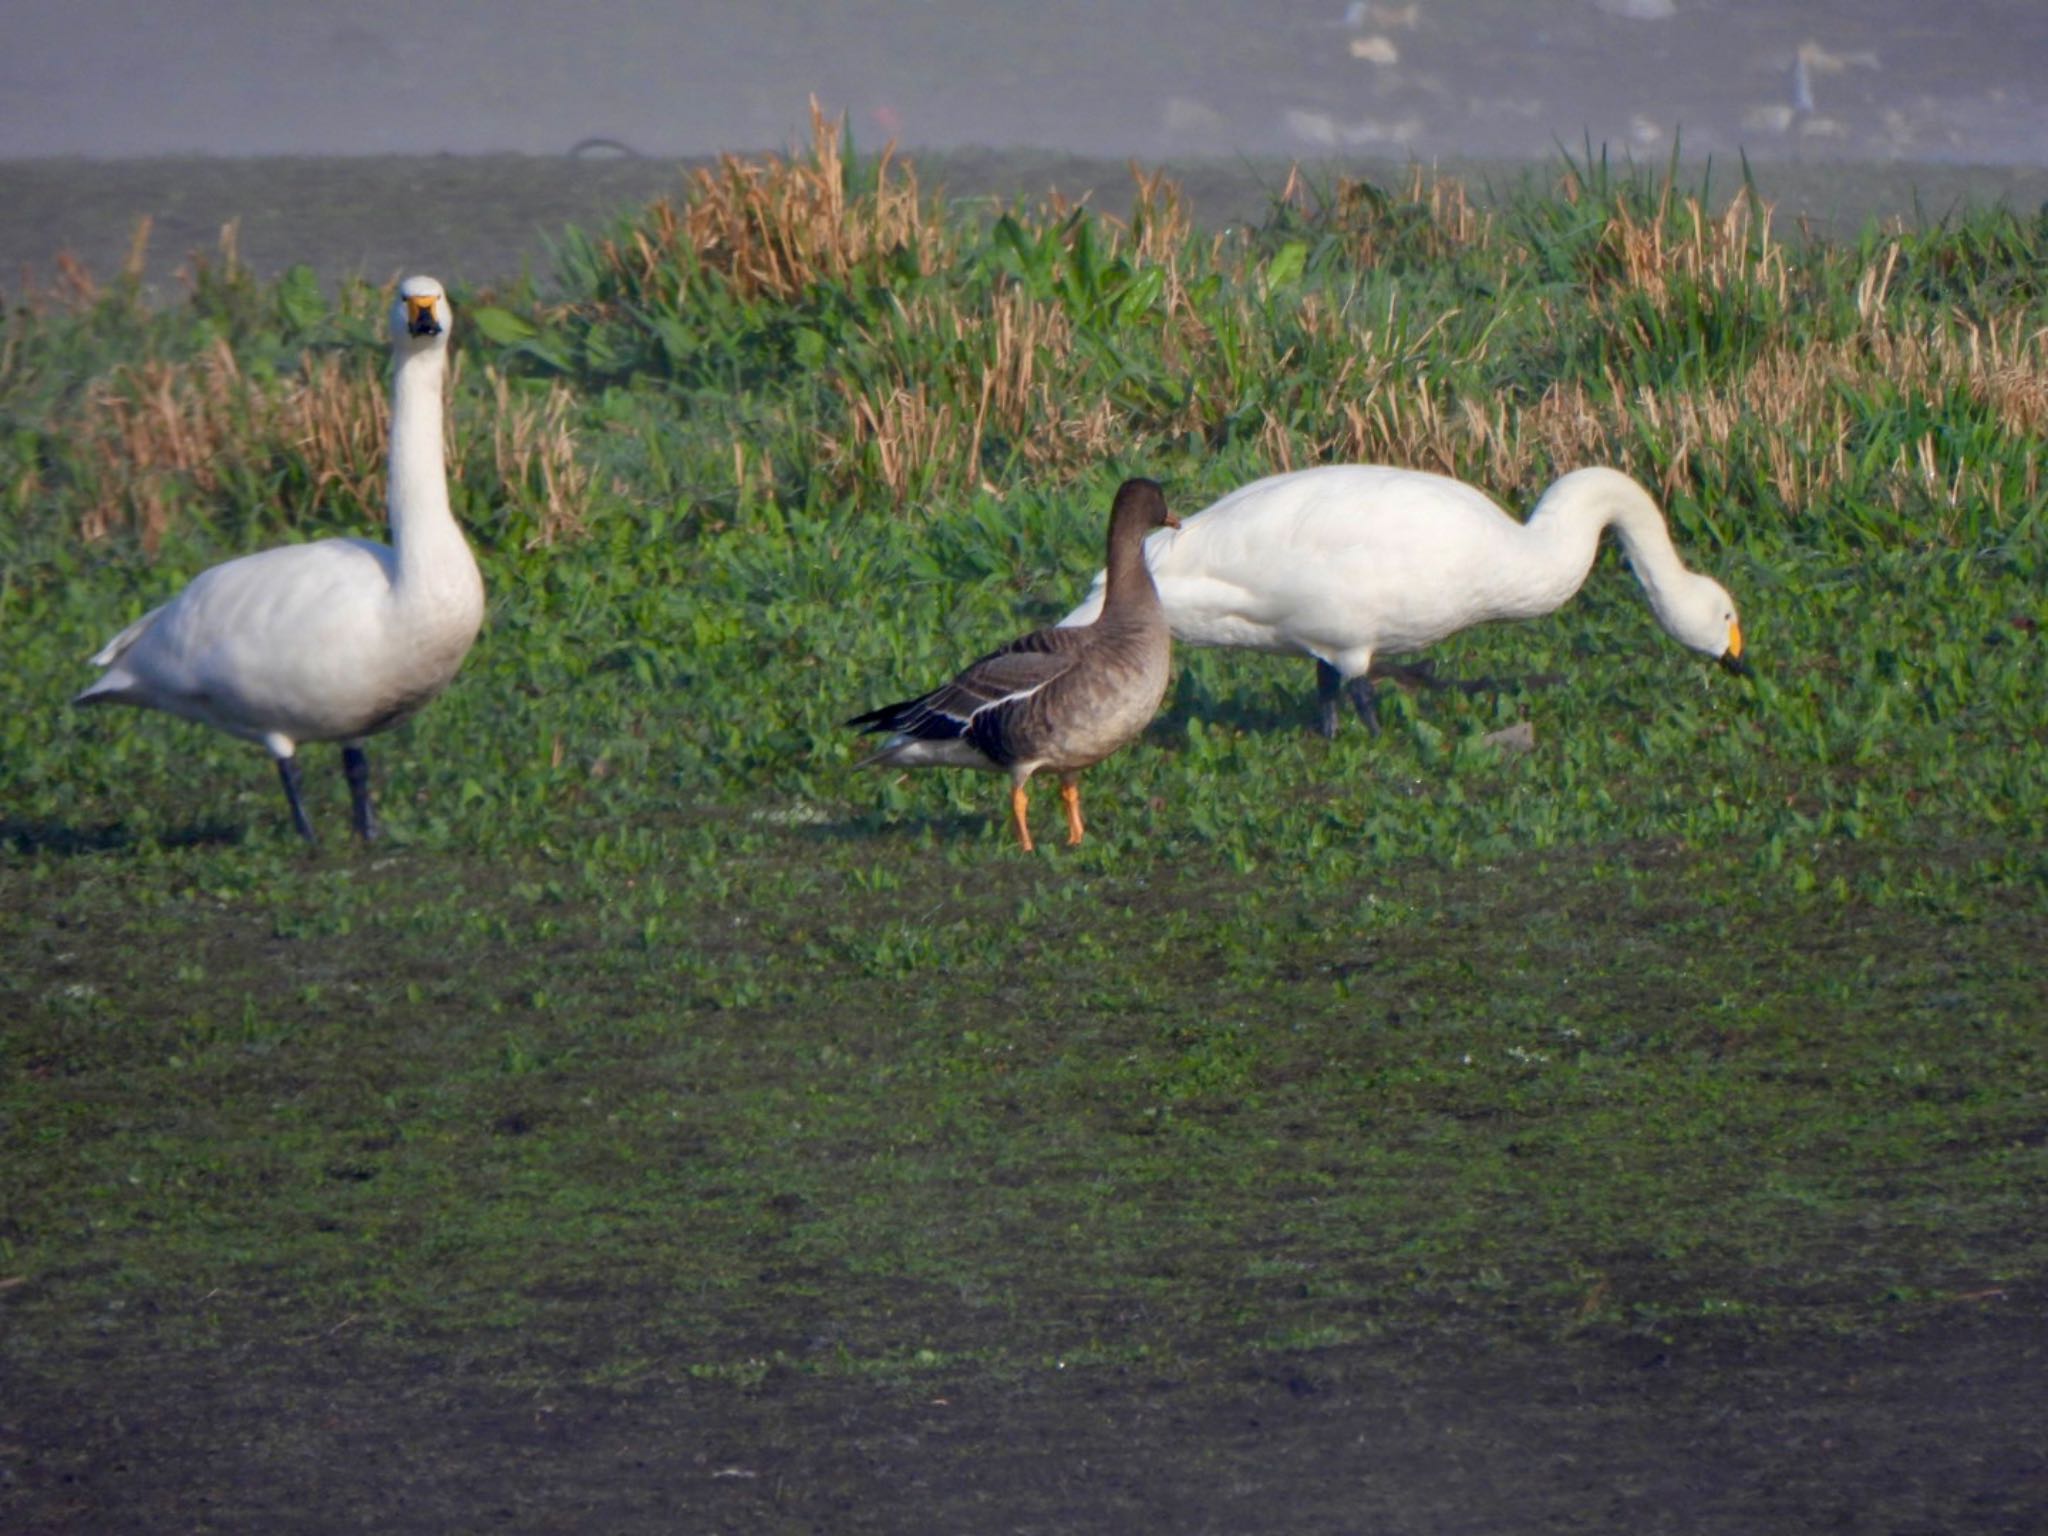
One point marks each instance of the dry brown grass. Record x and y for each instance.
(1428, 217)
(1011, 371)
(1023, 348)
(1789, 417)
(1648, 254)
(776, 225)
(1005, 373)
(2006, 366)
(899, 436)
(533, 450)
(1161, 224)
(155, 438)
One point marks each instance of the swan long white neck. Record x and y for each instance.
(429, 544)
(1563, 536)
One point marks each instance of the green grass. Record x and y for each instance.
(658, 1043)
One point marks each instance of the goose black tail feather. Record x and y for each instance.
(913, 716)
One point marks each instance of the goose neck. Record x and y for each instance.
(1127, 579)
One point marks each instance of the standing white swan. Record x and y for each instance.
(334, 640)
(1347, 561)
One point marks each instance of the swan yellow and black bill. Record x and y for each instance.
(1731, 659)
(419, 315)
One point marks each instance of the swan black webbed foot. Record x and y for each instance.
(355, 767)
(1332, 690)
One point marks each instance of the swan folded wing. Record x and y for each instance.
(283, 640)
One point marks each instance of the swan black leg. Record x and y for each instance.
(1332, 690)
(1329, 690)
(288, 771)
(355, 766)
(1366, 700)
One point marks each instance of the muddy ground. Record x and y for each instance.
(1935, 1430)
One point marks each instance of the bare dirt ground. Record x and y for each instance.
(1931, 1431)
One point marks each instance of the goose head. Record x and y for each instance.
(419, 315)
(1697, 611)
(1139, 508)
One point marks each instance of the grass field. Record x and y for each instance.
(668, 1127)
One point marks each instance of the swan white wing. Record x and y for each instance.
(292, 642)
(1329, 561)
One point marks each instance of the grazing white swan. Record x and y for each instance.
(334, 640)
(1348, 561)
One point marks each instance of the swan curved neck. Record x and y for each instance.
(1646, 539)
(1573, 513)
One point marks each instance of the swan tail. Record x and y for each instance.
(118, 647)
(114, 687)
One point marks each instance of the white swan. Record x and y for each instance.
(334, 640)
(1347, 561)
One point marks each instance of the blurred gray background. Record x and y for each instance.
(1903, 95)
(1934, 80)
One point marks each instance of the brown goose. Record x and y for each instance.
(1059, 699)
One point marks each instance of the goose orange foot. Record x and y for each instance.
(1070, 797)
(1020, 813)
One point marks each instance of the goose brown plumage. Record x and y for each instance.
(1057, 699)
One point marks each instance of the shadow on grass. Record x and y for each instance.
(1193, 702)
(894, 826)
(67, 841)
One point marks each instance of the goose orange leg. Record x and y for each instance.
(1070, 797)
(1020, 813)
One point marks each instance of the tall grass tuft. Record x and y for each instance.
(156, 442)
(816, 329)
(776, 226)
(157, 439)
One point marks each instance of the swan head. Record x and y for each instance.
(419, 315)
(1701, 614)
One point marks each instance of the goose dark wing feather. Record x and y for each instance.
(1060, 699)
(1000, 678)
